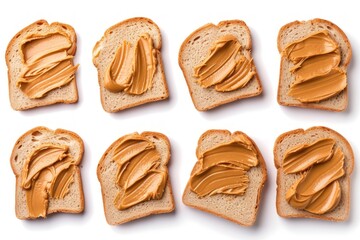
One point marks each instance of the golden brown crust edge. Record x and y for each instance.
(248, 48)
(13, 39)
(345, 64)
(263, 171)
(78, 161)
(278, 165)
(168, 185)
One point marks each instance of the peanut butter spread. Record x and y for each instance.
(47, 173)
(48, 63)
(226, 68)
(132, 70)
(223, 168)
(141, 175)
(321, 165)
(316, 60)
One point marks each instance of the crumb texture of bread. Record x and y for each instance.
(18, 99)
(239, 209)
(195, 49)
(106, 172)
(285, 181)
(73, 202)
(129, 30)
(295, 31)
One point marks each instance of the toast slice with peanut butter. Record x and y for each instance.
(129, 65)
(228, 177)
(314, 167)
(46, 164)
(41, 68)
(315, 55)
(134, 178)
(217, 64)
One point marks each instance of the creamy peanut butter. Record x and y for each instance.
(140, 175)
(48, 63)
(321, 165)
(226, 68)
(303, 156)
(223, 168)
(132, 69)
(316, 60)
(47, 173)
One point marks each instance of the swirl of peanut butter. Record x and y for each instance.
(226, 68)
(321, 165)
(316, 68)
(132, 69)
(223, 168)
(47, 173)
(141, 175)
(48, 63)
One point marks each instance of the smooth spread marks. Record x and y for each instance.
(316, 60)
(226, 68)
(141, 175)
(48, 63)
(47, 173)
(321, 165)
(132, 69)
(223, 168)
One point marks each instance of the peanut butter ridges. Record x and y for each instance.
(48, 63)
(132, 68)
(223, 168)
(321, 165)
(140, 174)
(226, 68)
(48, 173)
(316, 59)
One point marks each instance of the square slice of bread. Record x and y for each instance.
(295, 31)
(284, 181)
(239, 209)
(106, 172)
(104, 50)
(73, 202)
(194, 51)
(19, 100)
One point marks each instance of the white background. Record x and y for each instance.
(260, 117)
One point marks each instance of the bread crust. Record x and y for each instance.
(344, 64)
(47, 99)
(188, 76)
(261, 165)
(141, 99)
(348, 170)
(168, 188)
(13, 159)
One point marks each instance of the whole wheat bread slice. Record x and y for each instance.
(104, 50)
(73, 202)
(19, 100)
(285, 181)
(106, 172)
(196, 48)
(296, 30)
(239, 209)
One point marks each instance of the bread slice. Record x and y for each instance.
(106, 172)
(285, 181)
(19, 100)
(296, 30)
(196, 48)
(239, 209)
(73, 202)
(104, 50)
